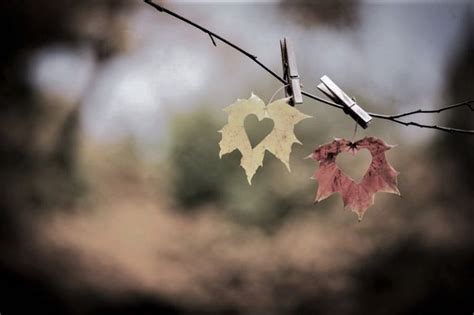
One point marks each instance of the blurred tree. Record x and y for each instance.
(456, 153)
(337, 13)
(35, 178)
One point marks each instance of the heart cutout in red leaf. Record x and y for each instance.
(354, 164)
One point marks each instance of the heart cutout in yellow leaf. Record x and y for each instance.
(257, 130)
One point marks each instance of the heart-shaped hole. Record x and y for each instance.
(257, 130)
(354, 165)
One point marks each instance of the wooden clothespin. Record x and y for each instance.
(290, 72)
(338, 96)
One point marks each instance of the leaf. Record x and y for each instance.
(278, 142)
(380, 176)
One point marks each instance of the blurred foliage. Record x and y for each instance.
(198, 175)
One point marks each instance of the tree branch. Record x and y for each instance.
(393, 118)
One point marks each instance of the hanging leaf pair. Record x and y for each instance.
(380, 176)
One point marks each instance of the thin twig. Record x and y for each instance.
(413, 123)
(322, 100)
(468, 103)
(213, 41)
(394, 118)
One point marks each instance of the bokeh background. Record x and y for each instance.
(113, 197)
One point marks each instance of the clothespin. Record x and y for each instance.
(290, 72)
(338, 96)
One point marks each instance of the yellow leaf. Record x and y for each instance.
(278, 142)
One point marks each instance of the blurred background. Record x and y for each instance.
(113, 199)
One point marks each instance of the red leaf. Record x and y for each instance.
(380, 176)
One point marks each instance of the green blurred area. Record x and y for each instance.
(198, 176)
